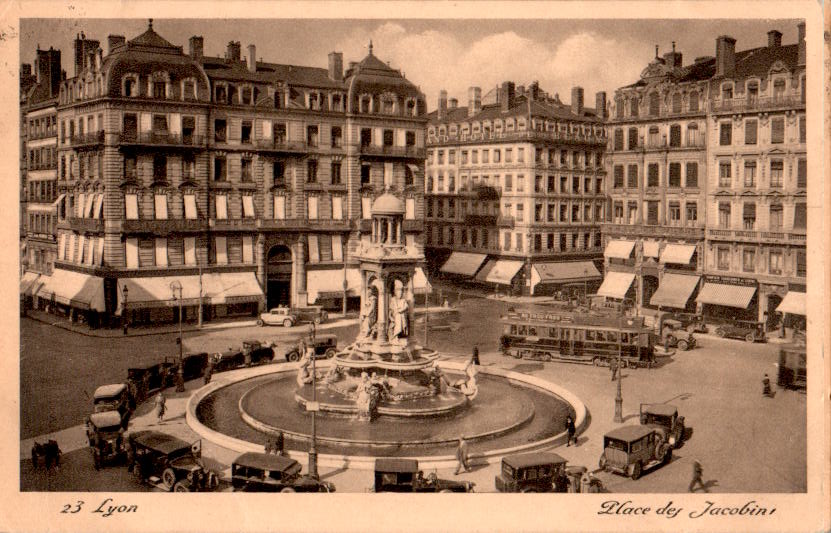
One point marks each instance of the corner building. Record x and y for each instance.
(251, 183)
(515, 190)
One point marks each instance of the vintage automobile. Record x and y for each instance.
(325, 347)
(311, 313)
(533, 472)
(252, 352)
(666, 416)
(441, 319)
(675, 336)
(106, 437)
(403, 475)
(630, 450)
(261, 472)
(145, 381)
(115, 397)
(689, 322)
(169, 463)
(282, 316)
(743, 329)
(194, 365)
(791, 368)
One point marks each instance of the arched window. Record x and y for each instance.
(366, 102)
(634, 104)
(130, 85)
(676, 103)
(694, 101)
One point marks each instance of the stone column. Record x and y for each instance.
(383, 309)
(299, 269)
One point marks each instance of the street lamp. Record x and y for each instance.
(124, 316)
(585, 285)
(175, 286)
(313, 447)
(619, 396)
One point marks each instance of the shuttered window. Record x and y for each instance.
(337, 207)
(221, 251)
(190, 206)
(247, 249)
(160, 204)
(248, 206)
(324, 243)
(802, 173)
(800, 216)
(131, 207)
(337, 248)
(314, 253)
(131, 249)
(221, 207)
(750, 128)
(311, 207)
(190, 250)
(161, 252)
(777, 130)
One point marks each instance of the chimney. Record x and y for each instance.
(234, 51)
(197, 46)
(442, 113)
(801, 43)
(774, 39)
(673, 59)
(336, 66)
(725, 56)
(48, 69)
(534, 90)
(252, 58)
(25, 70)
(507, 96)
(453, 103)
(113, 41)
(474, 101)
(577, 101)
(600, 104)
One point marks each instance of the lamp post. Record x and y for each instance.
(585, 285)
(313, 447)
(124, 315)
(175, 286)
(345, 288)
(619, 397)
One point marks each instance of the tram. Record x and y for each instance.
(791, 369)
(577, 338)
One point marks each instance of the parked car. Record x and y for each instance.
(194, 365)
(403, 475)
(666, 416)
(147, 380)
(106, 437)
(325, 347)
(257, 353)
(282, 316)
(675, 336)
(792, 368)
(533, 472)
(630, 450)
(311, 313)
(689, 322)
(115, 397)
(169, 463)
(228, 360)
(261, 472)
(743, 329)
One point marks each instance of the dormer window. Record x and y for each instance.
(221, 94)
(159, 90)
(366, 102)
(411, 108)
(388, 106)
(246, 95)
(129, 86)
(337, 102)
(189, 90)
(727, 91)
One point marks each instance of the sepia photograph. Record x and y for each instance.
(334, 251)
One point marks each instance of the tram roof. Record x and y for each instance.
(578, 319)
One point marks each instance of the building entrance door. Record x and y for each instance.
(279, 268)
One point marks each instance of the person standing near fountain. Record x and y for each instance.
(461, 456)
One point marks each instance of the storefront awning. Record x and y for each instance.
(156, 292)
(619, 249)
(27, 282)
(74, 289)
(793, 303)
(463, 263)
(616, 284)
(565, 272)
(651, 249)
(420, 283)
(328, 284)
(678, 254)
(232, 287)
(501, 271)
(737, 296)
(675, 291)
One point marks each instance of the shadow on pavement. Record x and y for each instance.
(527, 368)
(77, 474)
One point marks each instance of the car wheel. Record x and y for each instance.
(750, 337)
(287, 323)
(330, 353)
(721, 332)
(683, 345)
(445, 490)
(636, 471)
(168, 478)
(137, 475)
(181, 486)
(288, 489)
(260, 322)
(292, 357)
(667, 456)
(317, 320)
(602, 462)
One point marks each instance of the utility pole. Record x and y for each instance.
(619, 397)
(180, 372)
(313, 447)
(199, 311)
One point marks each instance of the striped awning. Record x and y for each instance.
(232, 287)
(328, 284)
(737, 296)
(793, 303)
(616, 284)
(463, 263)
(674, 291)
(564, 272)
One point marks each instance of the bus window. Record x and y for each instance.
(532, 330)
(601, 336)
(644, 339)
(611, 336)
(590, 335)
(566, 334)
(624, 338)
(513, 329)
(552, 332)
(578, 334)
(522, 330)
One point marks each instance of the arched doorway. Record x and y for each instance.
(278, 274)
(650, 285)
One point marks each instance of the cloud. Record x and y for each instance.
(437, 60)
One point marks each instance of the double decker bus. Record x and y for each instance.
(577, 338)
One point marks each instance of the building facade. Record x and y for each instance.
(250, 183)
(709, 179)
(515, 190)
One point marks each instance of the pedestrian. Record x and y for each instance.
(572, 431)
(614, 367)
(269, 446)
(696, 479)
(209, 369)
(766, 391)
(476, 355)
(160, 407)
(461, 456)
(278, 443)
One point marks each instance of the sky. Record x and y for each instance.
(450, 54)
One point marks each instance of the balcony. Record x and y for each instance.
(652, 231)
(161, 139)
(233, 224)
(43, 165)
(505, 222)
(87, 140)
(740, 105)
(480, 220)
(551, 137)
(163, 227)
(82, 225)
(303, 224)
(792, 236)
(278, 145)
(403, 152)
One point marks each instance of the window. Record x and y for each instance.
(336, 172)
(749, 216)
(337, 137)
(221, 206)
(632, 177)
(691, 212)
(694, 101)
(131, 252)
(723, 215)
(220, 168)
(159, 89)
(520, 155)
(160, 205)
(618, 212)
(190, 206)
(221, 250)
(520, 183)
(280, 133)
(779, 89)
(675, 135)
(723, 258)
(389, 138)
(619, 107)
(409, 176)
(518, 242)
(247, 249)
(651, 213)
(311, 207)
(776, 172)
(161, 252)
(632, 211)
(509, 183)
(409, 208)
(311, 135)
(618, 179)
(675, 174)
(220, 130)
(189, 90)
(800, 215)
(693, 138)
(538, 212)
(509, 157)
(724, 177)
(727, 92)
(245, 132)
(245, 170)
(159, 169)
(131, 206)
(775, 217)
(278, 171)
(188, 167)
(311, 171)
(725, 134)
(775, 262)
(190, 250)
(618, 139)
(279, 207)
(366, 207)
(654, 104)
(801, 263)
(464, 157)
(748, 260)
(692, 175)
(674, 212)
(633, 138)
(520, 212)
(802, 173)
(486, 156)
(802, 132)
(248, 206)
(575, 185)
(750, 173)
(750, 129)
(777, 130)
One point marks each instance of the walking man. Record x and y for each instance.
(766, 387)
(160, 407)
(461, 455)
(696, 479)
(476, 355)
(572, 431)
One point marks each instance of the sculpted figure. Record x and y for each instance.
(468, 386)
(399, 308)
(304, 373)
(369, 316)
